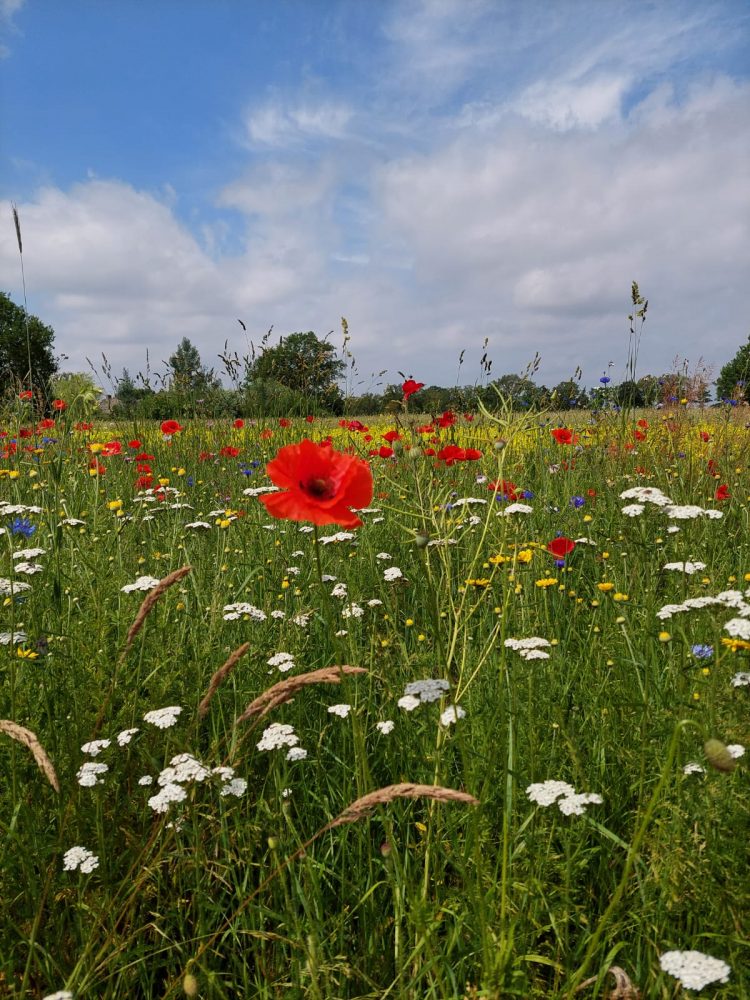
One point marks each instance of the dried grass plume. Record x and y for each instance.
(149, 601)
(277, 694)
(219, 676)
(38, 752)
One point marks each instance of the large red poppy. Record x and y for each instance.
(170, 427)
(560, 547)
(410, 387)
(320, 485)
(563, 435)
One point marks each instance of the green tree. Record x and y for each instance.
(520, 390)
(734, 377)
(22, 339)
(188, 374)
(568, 395)
(628, 394)
(303, 364)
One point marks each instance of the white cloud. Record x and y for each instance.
(279, 124)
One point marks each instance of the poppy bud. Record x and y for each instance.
(273, 843)
(718, 756)
(421, 539)
(500, 444)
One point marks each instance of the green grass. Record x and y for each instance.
(421, 898)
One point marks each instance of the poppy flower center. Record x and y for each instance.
(321, 487)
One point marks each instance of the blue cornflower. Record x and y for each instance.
(605, 380)
(22, 526)
(577, 501)
(527, 495)
(702, 651)
(559, 563)
(190, 481)
(246, 471)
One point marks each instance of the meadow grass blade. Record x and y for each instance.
(29, 739)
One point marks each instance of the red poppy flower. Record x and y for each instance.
(448, 419)
(143, 482)
(285, 422)
(309, 418)
(59, 404)
(560, 547)
(472, 455)
(82, 425)
(238, 424)
(643, 423)
(383, 451)
(705, 436)
(170, 427)
(112, 448)
(205, 456)
(391, 436)
(24, 432)
(319, 485)
(722, 492)
(410, 387)
(266, 433)
(640, 436)
(229, 452)
(504, 489)
(564, 435)
(135, 443)
(26, 394)
(46, 424)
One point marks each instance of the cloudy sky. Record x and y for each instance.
(437, 171)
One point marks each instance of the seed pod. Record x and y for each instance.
(718, 756)
(190, 985)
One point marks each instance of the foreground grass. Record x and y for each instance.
(259, 893)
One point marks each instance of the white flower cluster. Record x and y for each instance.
(234, 611)
(515, 508)
(650, 494)
(430, 689)
(341, 710)
(88, 774)
(694, 969)
(284, 661)
(340, 590)
(386, 727)
(79, 859)
(727, 598)
(198, 524)
(6, 638)
(10, 587)
(451, 715)
(183, 769)
(29, 553)
(125, 737)
(142, 583)
(59, 995)
(462, 501)
(95, 747)
(278, 734)
(392, 573)
(256, 491)
(685, 567)
(29, 569)
(569, 802)
(352, 611)
(163, 718)
(738, 628)
(340, 536)
(8, 509)
(529, 649)
(741, 679)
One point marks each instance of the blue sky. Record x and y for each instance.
(437, 171)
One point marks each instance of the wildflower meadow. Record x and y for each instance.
(411, 706)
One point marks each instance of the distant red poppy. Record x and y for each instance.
(319, 485)
(722, 492)
(705, 436)
(82, 425)
(24, 432)
(560, 547)
(640, 436)
(563, 435)
(46, 424)
(504, 489)
(383, 451)
(266, 433)
(143, 482)
(170, 427)
(238, 424)
(447, 420)
(59, 404)
(391, 436)
(410, 387)
(643, 423)
(26, 394)
(229, 452)
(112, 448)
(285, 422)
(135, 443)
(309, 418)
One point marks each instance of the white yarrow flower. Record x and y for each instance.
(88, 774)
(95, 747)
(545, 793)
(392, 573)
(163, 718)
(278, 734)
(430, 689)
(341, 710)
(694, 969)
(125, 737)
(386, 727)
(408, 703)
(80, 859)
(142, 583)
(451, 715)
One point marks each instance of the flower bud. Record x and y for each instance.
(190, 985)
(718, 756)
(273, 843)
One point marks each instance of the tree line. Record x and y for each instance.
(303, 374)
